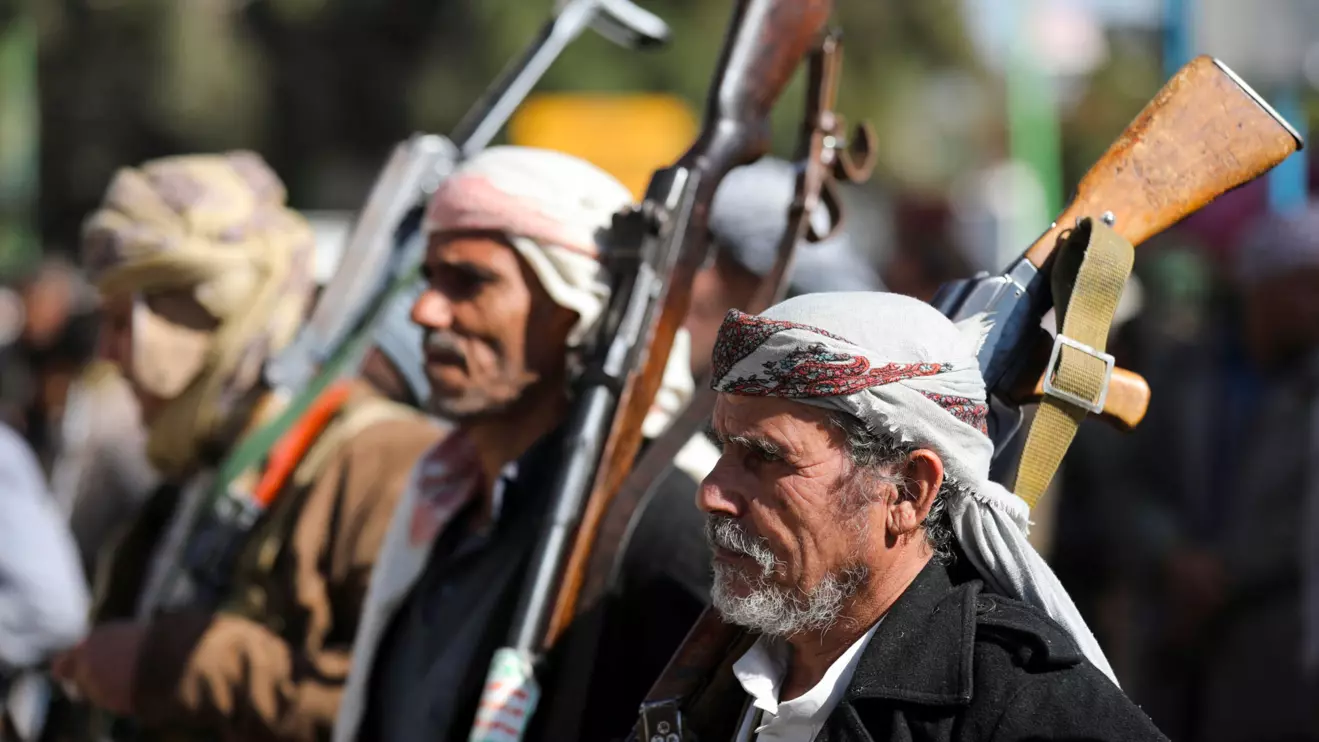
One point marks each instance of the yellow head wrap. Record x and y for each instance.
(216, 226)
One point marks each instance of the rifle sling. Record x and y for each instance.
(1089, 273)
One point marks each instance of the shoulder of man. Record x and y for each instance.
(1032, 679)
(370, 431)
(1021, 635)
(361, 463)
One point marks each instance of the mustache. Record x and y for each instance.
(442, 342)
(725, 532)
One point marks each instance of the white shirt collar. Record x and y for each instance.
(761, 672)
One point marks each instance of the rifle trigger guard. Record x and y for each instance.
(856, 161)
(832, 202)
(852, 162)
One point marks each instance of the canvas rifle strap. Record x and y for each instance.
(1089, 273)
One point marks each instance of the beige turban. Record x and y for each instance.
(215, 226)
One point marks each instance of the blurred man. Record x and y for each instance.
(926, 252)
(747, 221)
(101, 474)
(855, 529)
(205, 274)
(1233, 506)
(515, 288)
(57, 342)
(1207, 505)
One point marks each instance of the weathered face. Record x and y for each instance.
(785, 519)
(159, 343)
(493, 334)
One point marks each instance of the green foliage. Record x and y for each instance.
(322, 88)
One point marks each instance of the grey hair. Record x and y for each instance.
(875, 452)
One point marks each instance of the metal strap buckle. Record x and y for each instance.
(1095, 406)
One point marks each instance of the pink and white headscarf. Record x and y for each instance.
(901, 367)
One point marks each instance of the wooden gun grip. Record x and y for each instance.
(1127, 401)
(1205, 133)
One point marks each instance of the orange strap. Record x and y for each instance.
(294, 444)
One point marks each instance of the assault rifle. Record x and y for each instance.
(655, 251)
(1204, 134)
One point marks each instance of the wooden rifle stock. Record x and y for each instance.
(1204, 134)
(767, 40)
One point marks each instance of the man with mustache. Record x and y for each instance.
(855, 529)
(516, 284)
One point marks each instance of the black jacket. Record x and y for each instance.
(951, 662)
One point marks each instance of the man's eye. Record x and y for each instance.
(768, 456)
(457, 282)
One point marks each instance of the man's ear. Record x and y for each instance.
(922, 476)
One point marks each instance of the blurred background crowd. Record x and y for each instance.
(1187, 543)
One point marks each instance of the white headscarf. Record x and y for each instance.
(555, 209)
(901, 367)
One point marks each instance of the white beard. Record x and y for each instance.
(769, 608)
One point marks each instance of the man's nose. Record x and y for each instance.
(432, 310)
(717, 494)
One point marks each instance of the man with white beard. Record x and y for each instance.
(855, 528)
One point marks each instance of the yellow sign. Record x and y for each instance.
(627, 136)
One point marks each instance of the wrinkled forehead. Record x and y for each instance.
(781, 421)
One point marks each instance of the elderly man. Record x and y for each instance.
(515, 287)
(855, 528)
(205, 274)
